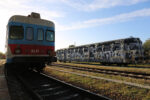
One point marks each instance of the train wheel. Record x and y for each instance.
(49, 63)
(119, 64)
(64, 61)
(125, 65)
(40, 67)
(102, 63)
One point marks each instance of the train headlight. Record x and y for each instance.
(17, 51)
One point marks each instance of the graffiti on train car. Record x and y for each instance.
(127, 50)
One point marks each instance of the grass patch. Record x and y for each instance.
(115, 77)
(113, 90)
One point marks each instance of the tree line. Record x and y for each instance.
(146, 47)
(2, 55)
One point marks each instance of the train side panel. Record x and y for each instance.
(123, 51)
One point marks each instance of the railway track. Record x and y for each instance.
(108, 71)
(42, 87)
(128, 66)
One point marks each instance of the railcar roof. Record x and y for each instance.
(31, 20)
(99, 43)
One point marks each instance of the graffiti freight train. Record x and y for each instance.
(122, 51)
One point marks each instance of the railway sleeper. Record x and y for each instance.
(107, 71)
(49, 90)
(56, 91)
(56, 95)
(75, 96)
(42, 88)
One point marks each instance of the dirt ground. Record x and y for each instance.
(2, 61)
(4, 94)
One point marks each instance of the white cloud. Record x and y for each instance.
(21, 7)
(103, 21)
(88, 5)
(24, 7)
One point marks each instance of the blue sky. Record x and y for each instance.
(84, 21)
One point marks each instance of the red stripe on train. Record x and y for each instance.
(31, 49)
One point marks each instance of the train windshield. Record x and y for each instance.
(49, 35)
(132, 43)
(16, 32)
(128, 41)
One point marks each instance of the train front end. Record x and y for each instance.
(30, 40)
(133, 50)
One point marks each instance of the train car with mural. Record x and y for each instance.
(30, 41)
(121, 51)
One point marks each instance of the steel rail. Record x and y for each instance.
(44, 87)
(107, 71)
(127, 66)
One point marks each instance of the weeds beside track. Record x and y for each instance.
(108, 71)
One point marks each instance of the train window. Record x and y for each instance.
(71, 51)
(49, 35)
(40, 34)
(68, 51)
(99, 48)
(117, 46)
(16, 32)
(76, 50)
(92, 45)
(128, 41)
(86, 49)
(107, 47)
(81, 50)
(133, 46)
(29, 33)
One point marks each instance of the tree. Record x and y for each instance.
(146, 47)
(2, 55)
(71, 46)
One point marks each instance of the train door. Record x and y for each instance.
(65, 55)
(99, 52)
(91, 52)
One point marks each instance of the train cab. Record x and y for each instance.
(30, 39)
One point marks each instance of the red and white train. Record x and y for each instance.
(30, 41)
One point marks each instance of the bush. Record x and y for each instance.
(2, 55)
(146, 47)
